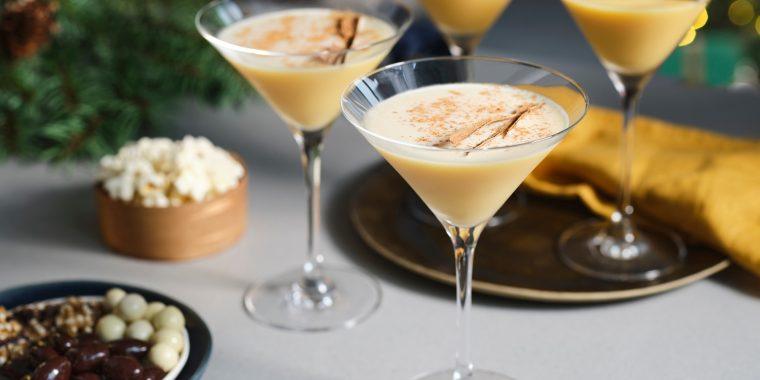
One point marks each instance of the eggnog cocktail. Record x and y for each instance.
(634, 36)
(464, 17)
(632, 39)
(464, 132)
(307, 68)
(460, 187)
(300, 56)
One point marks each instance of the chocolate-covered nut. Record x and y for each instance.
(171, 337)
(122, 368)
(86, 376)
(43, 354)
(88, 357)
(153, 373)
(132, 307)
(57, 368)
(140, 329)
(110, 328)
(63, 343)
(153, 309)
(129, 347)
(169, 318)
(88, 338)
(17, 368)
(114, 296)
(163, 356)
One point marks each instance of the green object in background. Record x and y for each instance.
(108, 73)
(723, 51)
(710, 60)
(672, 66)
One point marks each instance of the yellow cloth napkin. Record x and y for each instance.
(705, 185)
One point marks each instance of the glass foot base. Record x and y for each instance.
(339, 300)
(476, 375)
(588, 248)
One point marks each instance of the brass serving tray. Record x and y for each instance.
(516, 260)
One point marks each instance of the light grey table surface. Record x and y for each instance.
(708, 330)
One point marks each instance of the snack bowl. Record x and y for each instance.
(186, 231)
(170, 375)
(197, 338)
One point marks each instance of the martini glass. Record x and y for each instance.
(631, 38)
(463, 187)
(304, 89)
(463, 24)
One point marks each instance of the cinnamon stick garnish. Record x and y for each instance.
(346, 27)
(506, 124)
(462, 133)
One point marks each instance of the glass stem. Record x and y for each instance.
(311, 150)
(624, 207)
(464, 240)
(463, 46)
(629, 88)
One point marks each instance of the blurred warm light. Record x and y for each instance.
(757, 25)
(692, 33)
(689, 37)
(701, 20)
(741, 12)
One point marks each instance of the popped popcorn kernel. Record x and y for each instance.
(159, 172)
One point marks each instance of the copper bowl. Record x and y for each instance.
(177, 232)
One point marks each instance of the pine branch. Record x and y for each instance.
(76, 142)
(107, 77)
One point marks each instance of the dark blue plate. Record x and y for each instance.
(200, 336)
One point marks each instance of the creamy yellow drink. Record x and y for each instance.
(464, 17)
(301, 70)
(634, 36)
(449, 143)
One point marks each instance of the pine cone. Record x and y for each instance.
(25, 26)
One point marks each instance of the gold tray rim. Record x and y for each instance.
(529, 293)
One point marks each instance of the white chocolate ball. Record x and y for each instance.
(153, 309)
(110, 328)
(169, 337)
(140, 329)
(114, 296)
(163, 356)
(132, 307)
(169, 318)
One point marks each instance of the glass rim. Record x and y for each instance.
(272, 53)
(571, 124)
(615, 7)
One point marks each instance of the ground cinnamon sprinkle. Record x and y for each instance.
(325, 33)
(283, 31)
(456, 120)
(466, 116)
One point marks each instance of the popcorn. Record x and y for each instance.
(159, 172)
